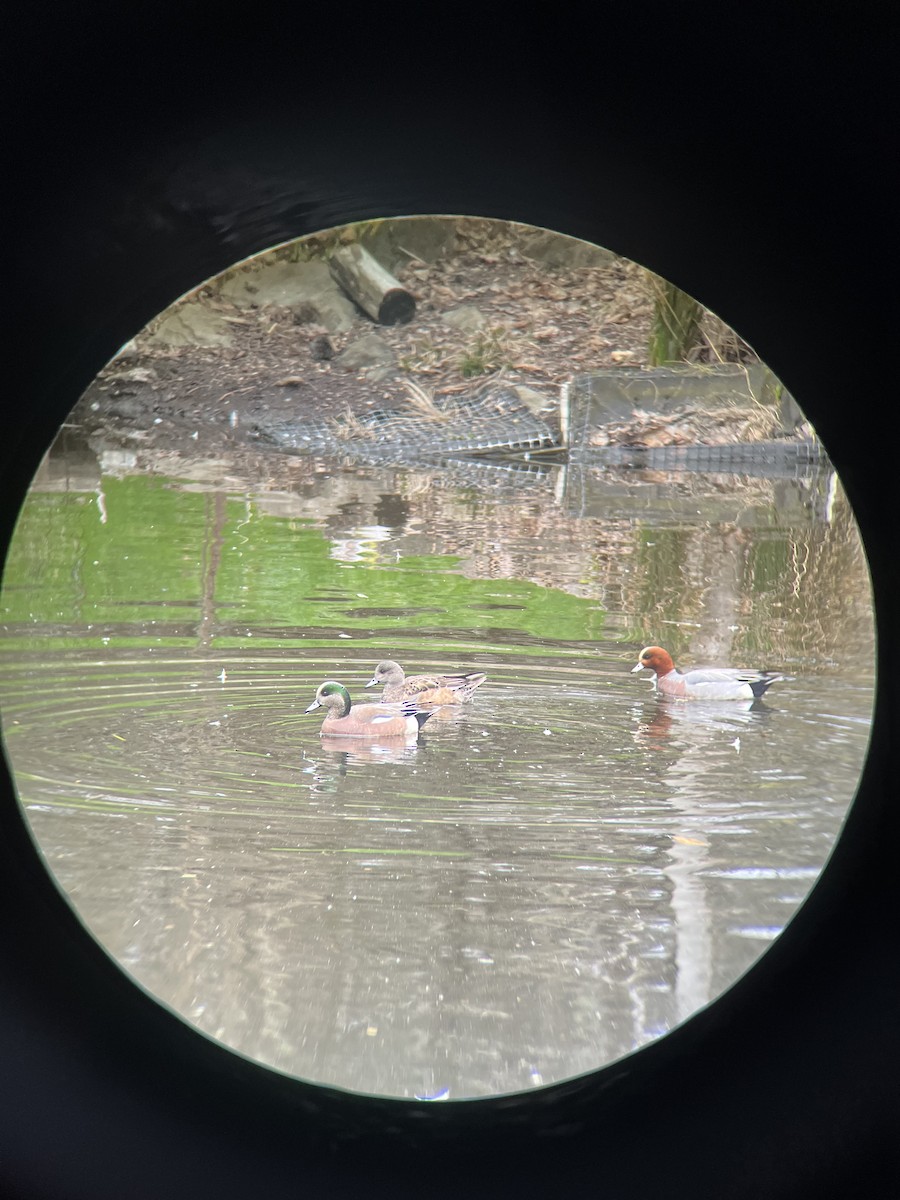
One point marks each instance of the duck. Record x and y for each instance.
(707, 683)
(371, 721)
(425, 689)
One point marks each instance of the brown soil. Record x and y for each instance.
(544, 324)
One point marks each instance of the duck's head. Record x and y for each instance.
(387, 671)
(654, 658)
(334, 696)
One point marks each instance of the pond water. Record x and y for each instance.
(556, 873)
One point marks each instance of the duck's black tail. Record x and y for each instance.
(767, 678)
(408, 708)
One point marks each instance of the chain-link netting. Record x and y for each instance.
(490, 419)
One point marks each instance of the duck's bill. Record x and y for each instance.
(315, 704)
(372, 681)
(639, 667)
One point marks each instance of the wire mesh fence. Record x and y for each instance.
(486, 434)
(771, 459)
(490, 419)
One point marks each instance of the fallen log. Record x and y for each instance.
(373, 288)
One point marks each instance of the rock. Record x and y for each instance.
(397, 242)
(305, 287)
(367, 351)
(560, 250)
(135, 375)
(190, 324)
(305, 314)
(467, 318)
(379, 374)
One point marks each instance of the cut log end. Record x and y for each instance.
(373, 288)
(397, 307)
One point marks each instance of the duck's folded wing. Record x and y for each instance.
(421, 683)
(388, 710)
(413, 685)
(464, 679)
(720, 675)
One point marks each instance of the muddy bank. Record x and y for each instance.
(277, 341)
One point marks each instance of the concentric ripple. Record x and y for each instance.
(553, 874)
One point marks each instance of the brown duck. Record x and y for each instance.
(371, 721)
(424, 689)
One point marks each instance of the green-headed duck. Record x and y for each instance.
(372, 721)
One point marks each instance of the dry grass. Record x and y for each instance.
(423, 402)
(687, 425)
(348, 427)
(720, 343)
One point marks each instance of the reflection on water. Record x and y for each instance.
(553, 874)
(391, 750)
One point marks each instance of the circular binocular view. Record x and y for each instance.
(438, 657)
